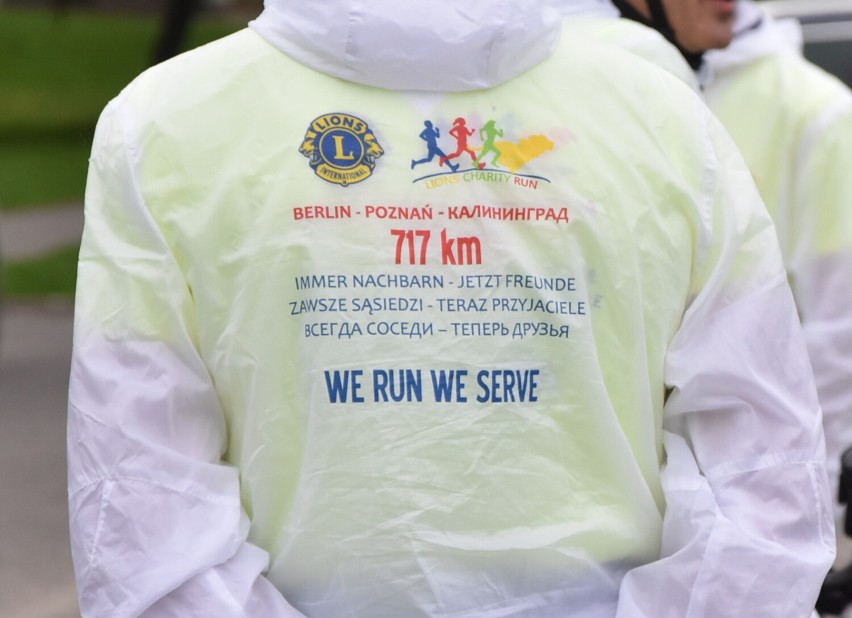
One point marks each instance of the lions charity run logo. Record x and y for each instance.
(341, 149)
(493, 159)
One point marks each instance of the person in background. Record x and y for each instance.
(308, 380)
(793, 123)
(692, 26)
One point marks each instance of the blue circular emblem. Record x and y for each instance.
(341, 148)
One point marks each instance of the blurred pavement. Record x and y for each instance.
(36, 577)
(35, 231)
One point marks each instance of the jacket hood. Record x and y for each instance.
(756, 35)
(440, 45)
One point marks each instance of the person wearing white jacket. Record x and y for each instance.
(565, 377)
(793, 123)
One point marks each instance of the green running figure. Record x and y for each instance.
(488, 134)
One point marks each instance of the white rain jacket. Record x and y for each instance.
(793, 123)
(601, 20)
(524, 350)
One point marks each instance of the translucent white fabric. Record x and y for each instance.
(413, 46)
(632, 36)
(322, 369)
(793, 123)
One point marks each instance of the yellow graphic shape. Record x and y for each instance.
(515, 156)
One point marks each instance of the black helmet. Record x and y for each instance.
(660, 22)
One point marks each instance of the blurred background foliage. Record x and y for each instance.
(60, 63)
(58, 69)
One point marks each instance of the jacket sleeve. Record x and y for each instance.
(157, 527)
(747, 528)
(821, 267)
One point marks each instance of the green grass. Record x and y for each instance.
(57, 72)
(54, 274)
(39, 169)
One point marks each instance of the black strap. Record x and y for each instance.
(658, 13)
(659, 22)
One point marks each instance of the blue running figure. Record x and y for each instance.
(430, 135)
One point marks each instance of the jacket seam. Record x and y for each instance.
(90, 559)
(348, 49)
(808, 141)
(493, 42)
(759, 465)
(702, 568)
(133, 161)
(827, 537)
(708, 181)
(130, 479)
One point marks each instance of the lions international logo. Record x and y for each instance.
(341, 149)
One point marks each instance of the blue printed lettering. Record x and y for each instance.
(502, 386)
(342, 385)
(449, 384)
(397, 385)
